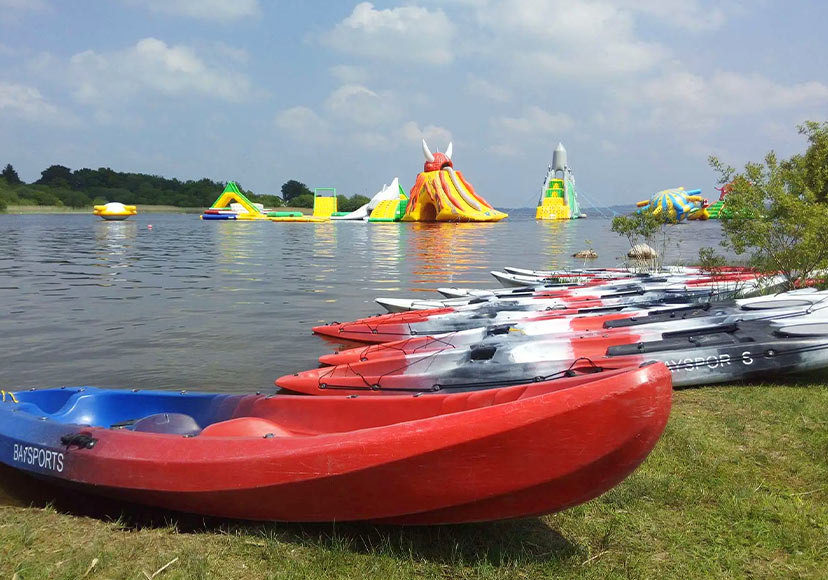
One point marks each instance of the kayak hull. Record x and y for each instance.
(743, 350)
(427, 460)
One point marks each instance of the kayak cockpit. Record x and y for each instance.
(160, 412)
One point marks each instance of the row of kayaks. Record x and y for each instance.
(694, 324)
(498, 403)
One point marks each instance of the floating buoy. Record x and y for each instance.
(149, 226)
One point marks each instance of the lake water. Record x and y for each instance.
(228, 306)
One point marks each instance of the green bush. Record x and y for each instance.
(267, 200)
(778, 216)
(350, 203)
(304, 200)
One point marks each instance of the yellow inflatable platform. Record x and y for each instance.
(114, 211)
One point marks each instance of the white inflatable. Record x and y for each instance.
(388, 192)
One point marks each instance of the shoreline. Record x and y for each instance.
(56, 209)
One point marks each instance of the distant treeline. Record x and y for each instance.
(61, 186)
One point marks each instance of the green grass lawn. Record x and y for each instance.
(736, 488)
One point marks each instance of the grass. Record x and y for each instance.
(736, 488)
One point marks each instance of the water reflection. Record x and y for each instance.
(324, 261)
(447, 252)
(324, 239)
(239, 242)
(386, 251)
(115, 242)
(556, 240)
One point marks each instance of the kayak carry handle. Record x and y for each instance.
(81, 440)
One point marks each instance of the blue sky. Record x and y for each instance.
(340, 93)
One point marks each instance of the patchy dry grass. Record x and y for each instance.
(736, 488)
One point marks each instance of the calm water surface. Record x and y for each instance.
(189, 304)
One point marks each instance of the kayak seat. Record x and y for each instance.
(169, 423)
(485, 352)
(245, 427)
(503, 329)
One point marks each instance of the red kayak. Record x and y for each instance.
(563, 322)
(402, 325)
(431, 459)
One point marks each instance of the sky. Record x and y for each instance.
(341, 93)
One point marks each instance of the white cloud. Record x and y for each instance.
(361, 106)
(437, 137)
(204, 9)
(565, 39)
(371, 140)
(348, 74)
(481, 87)
(404, 34)
(693, 15)
(155, 67)
(504, 150)
(692, 102)
(303, 124)
(23, 5)
(11, 11)
(27, 103)
(536, 120)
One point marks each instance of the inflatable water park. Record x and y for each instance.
(717, 210)
(232, 204)
(467, 389)
(440, 194)
(677, 204)
(558, 198)
(114, 211)
(387, 205)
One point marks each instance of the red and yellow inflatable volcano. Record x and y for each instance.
(441, 194)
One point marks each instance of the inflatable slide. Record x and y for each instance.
(384, 206)
(441, 194)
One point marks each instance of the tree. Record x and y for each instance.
(74, 198)
(11, 175)
(352, 203)
(777, 214)
(646, 227)
(305, 200)
(57, 176)
(293, 189)
(813, 165)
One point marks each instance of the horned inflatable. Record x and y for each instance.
(441, 194)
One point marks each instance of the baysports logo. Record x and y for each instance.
(32, 456)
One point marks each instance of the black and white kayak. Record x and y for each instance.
(604, 325)
(396, 326)
(756, 349)
(509, 280)
(721, 289)
(749, 281)
(612, 272)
